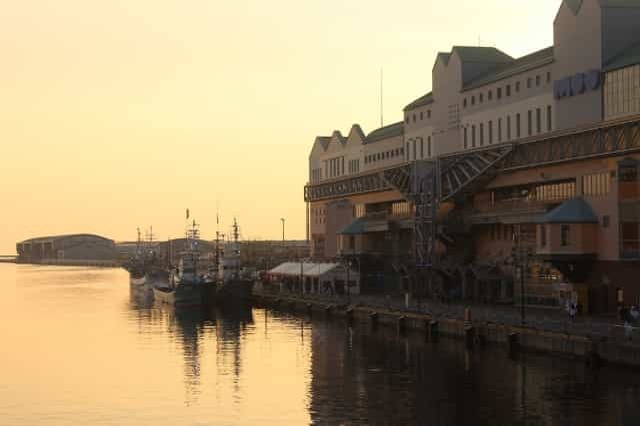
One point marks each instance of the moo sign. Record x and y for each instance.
(577, 84)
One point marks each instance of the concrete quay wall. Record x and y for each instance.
(591, 350)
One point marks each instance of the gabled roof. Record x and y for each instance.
(421, 101)
(514, 67)
(481, 54)
(575, 210)
(574, 5)
(628, 57)
(395, 129)
(358, 131)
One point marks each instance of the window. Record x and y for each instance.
(421, 115)
(499, 129)
(473, 136)
(596, 185)
(406, 119)
(428, 113)
(499, 92)
(517, 86)
(508, 90)
(529, 83)
(429, 146)
(518, 125)
(508, 127)
(408, 152)
(543, 236)
(415, 151)
(549, 125)
(537, 80)
(421, 148)
(414, 117)
(565, 235)
(473, 100)
(490, 95)
(538, 120)
(490, 132)
(481, 134)
(548, 76)
(530, 122)
(481, 97)
(464, 103)
(465, 138)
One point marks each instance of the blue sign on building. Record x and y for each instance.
(577, 84)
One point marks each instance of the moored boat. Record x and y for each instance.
(234, 285)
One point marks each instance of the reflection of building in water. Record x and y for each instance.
(382, 378)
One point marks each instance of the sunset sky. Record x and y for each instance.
(119, 114)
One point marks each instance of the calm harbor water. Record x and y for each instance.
(80, 348)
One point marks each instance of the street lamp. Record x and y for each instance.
(282, 219)
(348, 264)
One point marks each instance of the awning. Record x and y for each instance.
(575, 210)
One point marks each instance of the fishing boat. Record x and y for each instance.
(234, 285)
(136, 264)
(145, 266)
(186, 285)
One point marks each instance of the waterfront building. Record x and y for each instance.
(536, 166)
(67, 249)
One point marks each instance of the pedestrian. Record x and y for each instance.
(628, 330)
(572, 311)
(635, 313)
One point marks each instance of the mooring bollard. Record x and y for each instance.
(327, 309)
(374, 317)
(433, 328)
(514, 341)
(309, 308)
(402, 323)
(349, 314)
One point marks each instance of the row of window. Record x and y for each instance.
(478, 135)
(400, 208)
(381, 156)
(596, 185)
(622, 92)
(334, 167)
(354, 166)
(316, 175)
(560, 190)
(418, 144)
(415, 116)
(507, 91)
(319, 215)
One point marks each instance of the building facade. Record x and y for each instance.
(508, 142)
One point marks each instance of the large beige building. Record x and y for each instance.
(511, 140)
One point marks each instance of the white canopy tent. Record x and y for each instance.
(319, 278)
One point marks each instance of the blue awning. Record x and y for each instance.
(575, 210)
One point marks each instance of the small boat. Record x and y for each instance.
(186, 285)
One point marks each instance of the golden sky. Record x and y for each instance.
(117, 114)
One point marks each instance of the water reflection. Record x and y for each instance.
(80, 346)
(189, 327)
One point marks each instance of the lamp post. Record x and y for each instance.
(282, 219)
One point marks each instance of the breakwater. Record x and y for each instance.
(593, 350)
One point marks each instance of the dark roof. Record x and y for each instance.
(421, 101)
(61, 237)
(574, 5)
(395, 129)
(619, 3)
(514, 67)
(575, 210)
(481, 54)
(629, 56)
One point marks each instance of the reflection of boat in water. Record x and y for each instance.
(234, 285)
(186, 285)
